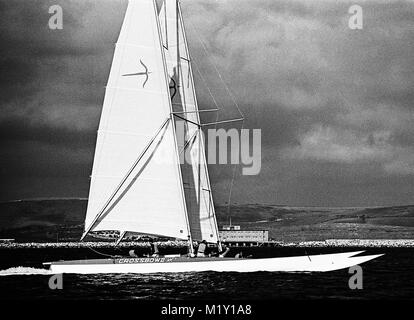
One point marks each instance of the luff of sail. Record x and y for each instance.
(149, 197)
(200, 206)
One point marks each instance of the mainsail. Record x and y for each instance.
(137, 107)
(137, 182)
(197, 188)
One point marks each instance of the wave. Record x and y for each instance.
(19, 271)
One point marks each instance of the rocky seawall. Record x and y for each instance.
(393, 243)
(376, 243)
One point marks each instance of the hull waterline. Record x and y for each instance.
(314, 263)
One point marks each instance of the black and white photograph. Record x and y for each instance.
(206, 158)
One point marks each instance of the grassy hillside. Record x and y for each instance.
(312, 223)
(62, 219)
(42, 220)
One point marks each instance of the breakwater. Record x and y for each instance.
(376, 243)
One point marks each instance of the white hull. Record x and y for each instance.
(314, 263)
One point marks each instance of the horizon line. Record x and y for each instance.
(235, 204)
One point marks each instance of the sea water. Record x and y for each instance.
(388, 277)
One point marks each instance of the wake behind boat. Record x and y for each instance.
(139, 183)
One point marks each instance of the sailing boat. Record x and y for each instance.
(139, 183)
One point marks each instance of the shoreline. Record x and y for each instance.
(329, 243)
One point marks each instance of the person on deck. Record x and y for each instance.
(154, 250)
(224, 252)
(239, 255)
(201, 251)
(132, 253)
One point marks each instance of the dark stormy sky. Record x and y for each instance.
(335, 105)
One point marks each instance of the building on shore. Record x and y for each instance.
(234, 235)
(230, 227)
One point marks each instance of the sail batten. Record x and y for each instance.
(135, 89)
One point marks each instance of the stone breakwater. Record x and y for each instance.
(366, 243)
(394, 243)
(94, 244)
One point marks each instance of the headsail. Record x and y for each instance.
(136, 106)
(197, 188)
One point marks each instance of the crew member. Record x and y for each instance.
(201, 251)
(224, 252)
(154, 250)
(132, 253)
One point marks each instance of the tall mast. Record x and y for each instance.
(201, 141)
(190, 238)
(199, 203)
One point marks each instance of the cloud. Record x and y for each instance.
(402, 165)
(324, 143)
(343, 98)
(323, 95)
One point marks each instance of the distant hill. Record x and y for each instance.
(62, 220)
(313, 223)
(42, 220)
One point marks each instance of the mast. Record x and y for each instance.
(190, 238)
(201, 140)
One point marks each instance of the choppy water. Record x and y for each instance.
(389, 277)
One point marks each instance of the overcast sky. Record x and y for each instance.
(335, 105)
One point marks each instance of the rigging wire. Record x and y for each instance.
(207, 86)
(236, 166)
(100, 253)
(217, 71)
(215, 126)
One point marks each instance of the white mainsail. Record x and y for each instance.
(197, 188)
(137, 107)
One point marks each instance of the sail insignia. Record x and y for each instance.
(145, 73)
